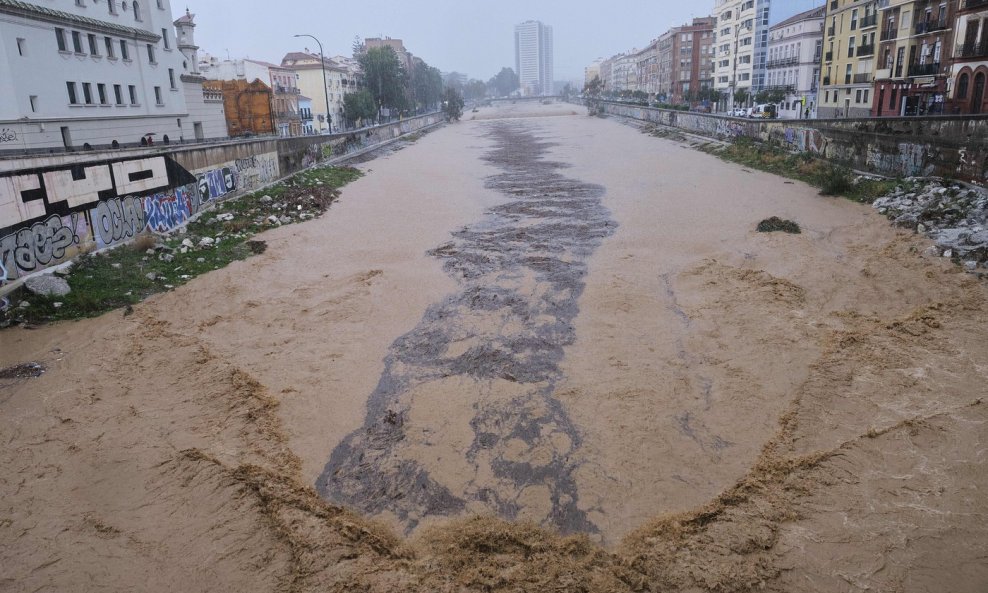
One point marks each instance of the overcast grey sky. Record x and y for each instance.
(475, 37)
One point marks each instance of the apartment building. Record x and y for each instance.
(534, 58)
(647, 69)
(848, 64)
(112, 75)
(593, 71)
(795, 49)
(913, 58)
(309, 69)
(281, 80)
(969, 67)
(742, 46)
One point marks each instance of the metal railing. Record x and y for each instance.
(866, 50)
(869, 21)
(888, 34)
(862, 78)
(780, 62)
(972, 50)
(968, 4)
(930, 27)
(924, 69)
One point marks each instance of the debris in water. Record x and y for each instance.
(27, 370)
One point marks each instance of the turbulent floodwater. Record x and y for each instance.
(521, 271)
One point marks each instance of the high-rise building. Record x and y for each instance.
(533, 57)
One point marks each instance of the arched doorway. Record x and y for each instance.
(978, 92)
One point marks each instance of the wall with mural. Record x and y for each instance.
(62, 205)
(955, 147)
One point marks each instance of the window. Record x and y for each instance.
(33, 99)
(164, 38)
(157, 96)
(101, 91)
(171, 78)
(857, 96)
(118, 94)
(866, 91)
(112, 5)
(109, 48)
(161, 4)
(87, 93)
(20, 46)
(133, 94)
(962, 83)
(93, 45)
(124, 51)
(60, 39)
(854, 19)
(137, 12)
(73, 98)
(77, 42)
(151, 54)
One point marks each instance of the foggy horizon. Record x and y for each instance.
(452, 36)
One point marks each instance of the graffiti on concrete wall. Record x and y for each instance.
(8, 135)
(49, 215)
(805, 140)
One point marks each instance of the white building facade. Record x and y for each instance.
(795, 49)
(82, 74)
(533, 58)
(741, 48)
(338, 83)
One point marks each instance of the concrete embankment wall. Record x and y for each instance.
(955, 147)
(54, 207)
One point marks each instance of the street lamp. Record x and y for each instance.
(325, 85)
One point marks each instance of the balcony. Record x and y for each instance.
(286, 90)
(866, 50)
(972, 50)
(930, 27)
(781, 62)
(924, 69)
(862, 78)
(888, 34)
(869, 21)
(883, 74)
(969, 4)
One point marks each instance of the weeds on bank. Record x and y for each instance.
(833, 180)
(151, 263)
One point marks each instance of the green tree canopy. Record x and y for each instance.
(504, 83)
(427, 85)
(385, 77)
(475, 90)
(359, 106)
(452, 104)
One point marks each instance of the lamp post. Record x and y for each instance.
(325, 85)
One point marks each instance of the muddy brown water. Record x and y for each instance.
(531, 315)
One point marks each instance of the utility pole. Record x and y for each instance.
(325, 85)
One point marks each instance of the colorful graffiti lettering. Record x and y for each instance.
(216, 183)
(167, 211)
(38, 245)
(117, 220)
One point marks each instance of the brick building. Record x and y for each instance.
(247, 106)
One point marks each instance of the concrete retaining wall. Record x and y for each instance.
(54, 207)
(955, 147)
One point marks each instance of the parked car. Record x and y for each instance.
(738, 112)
